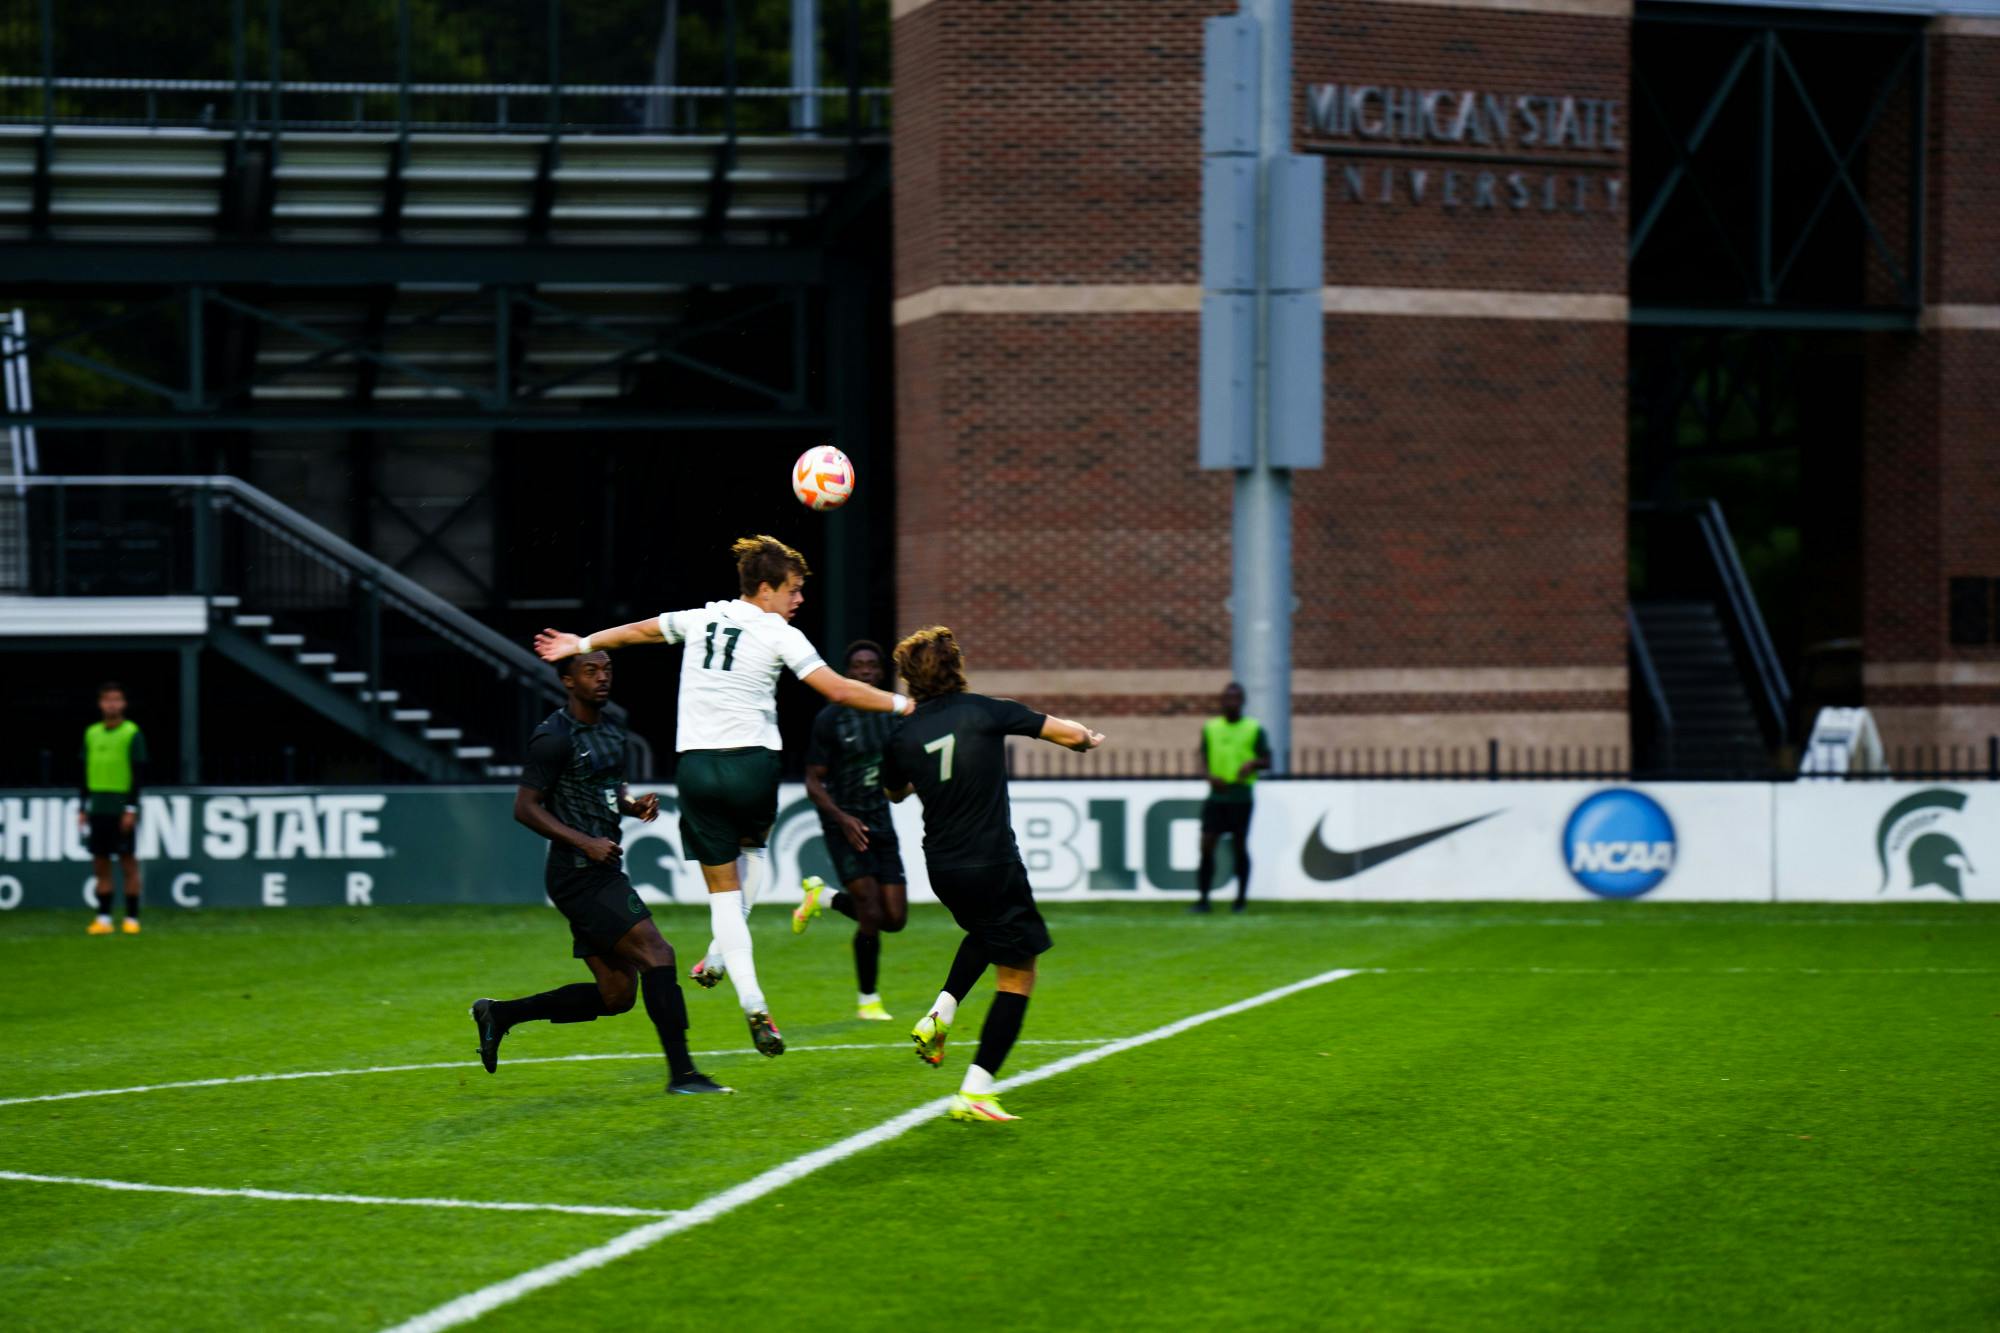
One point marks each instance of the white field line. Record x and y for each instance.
(287, 1196)
(1704, 971)
(466, 1064)
(471, 1306)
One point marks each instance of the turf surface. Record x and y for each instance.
(1584, 1116)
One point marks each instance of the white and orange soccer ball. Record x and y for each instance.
(823, 478)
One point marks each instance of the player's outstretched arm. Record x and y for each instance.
(553, 645)
(1070, 735)
(839, 689)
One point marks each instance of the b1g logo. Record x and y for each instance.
(1619, 844)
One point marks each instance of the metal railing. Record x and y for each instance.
(1708, 563)
(1494, 761)
(221, 537)
(1657, 716)
(576, 86)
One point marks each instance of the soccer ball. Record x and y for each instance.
(823, 478)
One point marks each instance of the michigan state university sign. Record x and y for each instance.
(1473, 150)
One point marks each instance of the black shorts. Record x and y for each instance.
(882, 862)
(600, 904)
(1230, 818)
(729, 800)
(995, 906)
(108, 838)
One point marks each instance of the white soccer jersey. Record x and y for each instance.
(729, 674)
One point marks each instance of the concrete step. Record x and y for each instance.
(503, 770)
(411, 715)
(285, 640)
(474, 751)
(348, 677)
(225, 602)
(317, 659)
(443, 734)
(251, 622)
(380, 696)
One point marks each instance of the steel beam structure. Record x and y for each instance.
(1789, 124)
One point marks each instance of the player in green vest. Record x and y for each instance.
(114, 753)
(1234, 751)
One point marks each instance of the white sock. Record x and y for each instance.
(946, 1007)
(977, 1082)
(104, 918)
(869, 997)
(753, 872)
(732, 937)
(713, 958)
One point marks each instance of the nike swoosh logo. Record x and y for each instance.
(1325, 863)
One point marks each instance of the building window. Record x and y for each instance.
(1971, 610)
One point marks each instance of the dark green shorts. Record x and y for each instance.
(882, 862)
(600, 904)
(729, 800)
(996, 906)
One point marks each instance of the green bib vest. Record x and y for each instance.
(107, 764)
(1230, 745)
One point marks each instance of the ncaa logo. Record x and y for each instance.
(1619, 843)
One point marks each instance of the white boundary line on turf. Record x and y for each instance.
(471, 1306)
(1702, 971)
(464, 1064)
(286, 1196)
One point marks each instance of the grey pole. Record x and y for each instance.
(1262, 248)
(1260, 636)
(805, 63)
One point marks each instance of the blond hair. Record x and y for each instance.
(931, 663)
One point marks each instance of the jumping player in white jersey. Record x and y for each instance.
(729, 742)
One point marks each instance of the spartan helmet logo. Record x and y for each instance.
(1908, 839)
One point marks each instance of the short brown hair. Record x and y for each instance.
(931, 663)
(763, 559)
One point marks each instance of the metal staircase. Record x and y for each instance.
(326, 623)
(1711, 696)
(1715, 726)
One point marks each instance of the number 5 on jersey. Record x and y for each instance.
(943, 747)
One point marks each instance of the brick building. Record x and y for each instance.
(1463, 561)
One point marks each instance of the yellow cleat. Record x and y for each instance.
(873, 1012)
(983, 1106)
(99, 928)
(131, 927)
(929, 1035)
(810, 906)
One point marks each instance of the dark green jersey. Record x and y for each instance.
(953, 750)
(849, 743)
(580, 771)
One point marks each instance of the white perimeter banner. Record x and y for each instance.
(1889, 842)
(1352, 841)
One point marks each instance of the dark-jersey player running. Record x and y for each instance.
(844, 779)
(573, 793)
(953, 753)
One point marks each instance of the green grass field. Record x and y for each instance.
(1551, 1117)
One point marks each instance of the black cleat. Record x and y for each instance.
(687, 1085)
(1199, 909)
(764, 1033)
(1239, 906)
(489, 1034)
